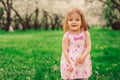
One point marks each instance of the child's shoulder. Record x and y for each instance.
(66, 34)
(87, 33)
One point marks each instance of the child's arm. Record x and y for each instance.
(87, 48)
(87, 44)
(65, 45)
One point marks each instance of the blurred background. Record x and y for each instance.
(31, 33)
(26, 14)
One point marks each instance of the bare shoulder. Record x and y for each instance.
(65, 36)
(87, 34)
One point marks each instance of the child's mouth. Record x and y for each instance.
(74, 25)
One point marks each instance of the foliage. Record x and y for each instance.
(112, 13)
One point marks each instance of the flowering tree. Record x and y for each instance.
(7, 7)
(112, 13)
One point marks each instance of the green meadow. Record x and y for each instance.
(35, 54)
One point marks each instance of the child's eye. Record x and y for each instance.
(77, 19)
(69, 19)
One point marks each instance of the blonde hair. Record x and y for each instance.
(84, 25)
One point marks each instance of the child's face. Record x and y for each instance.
(74, 22)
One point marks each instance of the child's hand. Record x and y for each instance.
(80, 60)
(70, 68)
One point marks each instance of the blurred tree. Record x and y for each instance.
(12, 17)
(1, 17)
(1, 12)
(7, 7)
(45, 22)
(25, 22)
(112, 13)
(36, 21)
(55, 22)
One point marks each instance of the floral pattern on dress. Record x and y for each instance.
(76, 48)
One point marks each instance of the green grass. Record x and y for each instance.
(35, 55)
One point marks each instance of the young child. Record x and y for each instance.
(76, 46)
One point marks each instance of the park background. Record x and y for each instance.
(31, 33)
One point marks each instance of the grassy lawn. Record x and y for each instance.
(35, 55)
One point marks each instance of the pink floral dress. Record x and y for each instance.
(76, 48)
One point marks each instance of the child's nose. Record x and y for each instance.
(74, 21)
